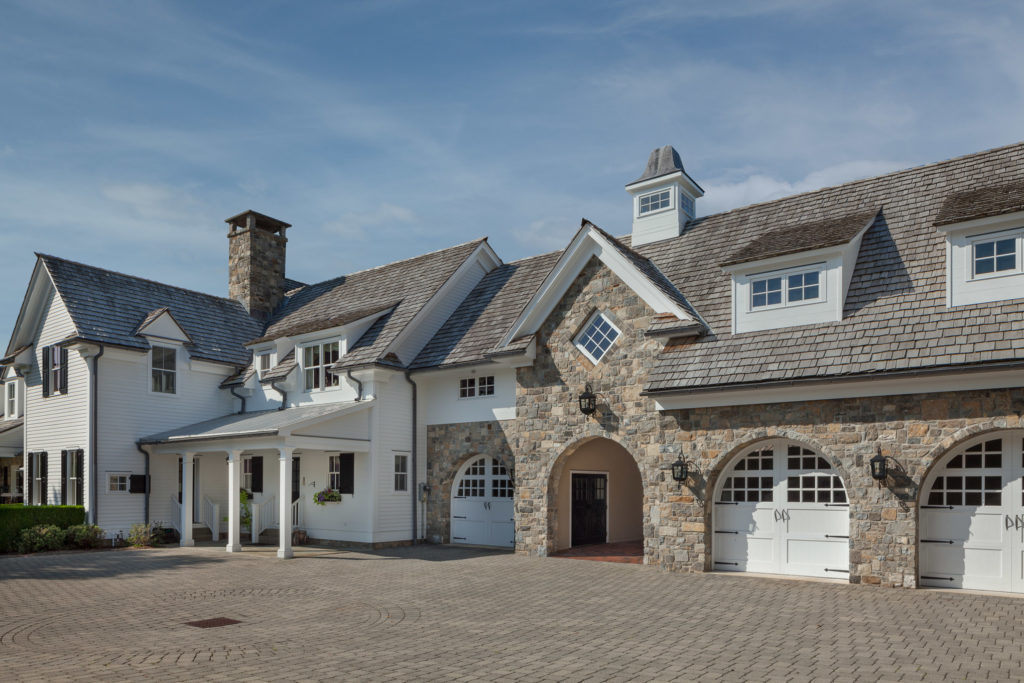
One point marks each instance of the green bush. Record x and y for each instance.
(140, 535)
(42, 537)
(84, 536)
(15, 518)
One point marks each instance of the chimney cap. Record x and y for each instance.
(259, 220)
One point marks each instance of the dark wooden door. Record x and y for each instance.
(589, 508)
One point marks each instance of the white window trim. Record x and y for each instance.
(269, 355)
(785, 274)
(8, 412)
(301, 353)
(1016, 234)
(127, 483)
(395, 473)
(177, 372)
(671, 202)
(586, 325)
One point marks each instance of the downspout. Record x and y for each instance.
(145, 501)
(240, 398)
(414, 488)
(359, 385)
(284, 395)
(94, 439)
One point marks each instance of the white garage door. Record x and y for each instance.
(482, 504)
(972, 518)
(781, 509)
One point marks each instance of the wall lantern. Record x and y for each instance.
(588, 401)
(680, 470)
(879, 468)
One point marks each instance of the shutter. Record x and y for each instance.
(63, 477)
(137, 483)
(257, 474)
(295, 479)
(44, 471)
(30, 481)
(179, 480)
(79, 456)
(46, 371)
(348, 473)
(63, 371)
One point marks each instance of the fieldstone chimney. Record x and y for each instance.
(256, 249)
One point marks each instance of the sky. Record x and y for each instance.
(387, 128)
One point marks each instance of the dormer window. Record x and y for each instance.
(11, 399)
(316, 359)
(597, 337)
(263, 362)
(984, 265)
(995, 256)
(786, 289)
(655, 201)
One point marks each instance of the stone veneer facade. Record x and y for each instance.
(915, 430)
(256, 262)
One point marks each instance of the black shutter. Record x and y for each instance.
(44, 471)
(63, 477)
(257, 473)
(295, 479)
(79, 456)
(348, 473)
(46, 371)
(137, 483)
(180, 465)
(30, 481)
(63, 371)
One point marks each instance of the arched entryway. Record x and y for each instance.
(482, 504)
(971, 517)
(780, 508)
(596, 497)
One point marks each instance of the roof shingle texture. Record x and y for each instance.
(982, 202)
(108, 307)
(895, 316)
(794, 239)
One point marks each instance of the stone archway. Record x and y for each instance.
(594, 477)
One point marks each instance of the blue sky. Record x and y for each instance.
(380, 130)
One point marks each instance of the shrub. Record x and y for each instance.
(15, 518)
(84, 536)
(140, 535)
(41, 537)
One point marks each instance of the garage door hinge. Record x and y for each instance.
(458, 516)
(937, 578)
(725, 532)
(842, 571)
(834, 536)
(836, 505)
(936, 507)
(734, 564)
(458, 538)
(725, 502)
(929, 540)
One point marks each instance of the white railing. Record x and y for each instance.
(176, 515)
(262, 517)
(296, 513)
(211, 516)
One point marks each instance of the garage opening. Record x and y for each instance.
(482, 504)
(971, 517)
(780, 508)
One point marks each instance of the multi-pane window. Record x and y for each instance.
(470, 387)
(247, 474)
(686, 204)
(995, 256)
(73, 463)
(467, 387)
(474, 482)
(56, 372)
(334, 473)
(973, 477)
(501, 484)
(655, 201)
(752, 479)
(401, 472)
(316, 360)
(164, 370)
(11, 392)
(785, 290)
(597, 337)
(264, 362)
(117, 483)
(485, 386)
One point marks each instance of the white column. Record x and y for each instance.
(234, 500)
(187, 487)
(284, 517)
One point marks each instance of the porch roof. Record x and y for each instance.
(8, 425)
(260, 423)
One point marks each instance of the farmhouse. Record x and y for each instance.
(830, 384)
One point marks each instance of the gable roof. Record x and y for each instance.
(895, 316)
(155, 315)
(107, 307)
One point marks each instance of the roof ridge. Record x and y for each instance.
(909, 169)
(136, 277)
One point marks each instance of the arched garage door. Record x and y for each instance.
(482, 504)
(781, 509)
(972, 517)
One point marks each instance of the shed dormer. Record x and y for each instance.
(664, 197)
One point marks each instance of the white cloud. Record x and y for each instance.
(362, 225)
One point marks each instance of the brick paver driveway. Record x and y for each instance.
(452, 614)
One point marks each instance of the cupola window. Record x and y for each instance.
(655, 201)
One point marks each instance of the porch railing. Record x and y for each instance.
(176, 514)
(211, 516)
(262, 517)
(296, 513)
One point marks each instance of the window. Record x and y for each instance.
(655, 201)
(73, 486)
(247, 474)
(786, 290)
(316, 359)
(55, 370)
(117, 482)
(401, 472)
(164, 370)
(476, 386)
(263, 362)
(11, 392)
(597, 337)
(993, 257)
(686, 204)
(341, 473)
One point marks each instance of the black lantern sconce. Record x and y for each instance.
(588, 400)
(879, 468)
(680, 471)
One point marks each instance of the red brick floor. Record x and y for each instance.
(630, 552)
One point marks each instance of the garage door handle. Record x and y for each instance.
(930, 540)
(834, 536)
(937, 507)
(458, 516)
(726, 532)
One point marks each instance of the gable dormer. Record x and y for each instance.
(160, 325)
(664, 198)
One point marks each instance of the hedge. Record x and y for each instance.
(15, 517)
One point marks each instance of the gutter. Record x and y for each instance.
(145, 501)
(414, 487)
(94, 442)
(241, 398)
(284, 395)
(359, 393)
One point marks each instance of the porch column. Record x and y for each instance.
(284, 524)
(187, 486)
(234, 513)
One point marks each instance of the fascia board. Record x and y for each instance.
(30, 313)
(786, 261)
(993, 223)
(677, 177)
(635, 280)
(185, 335)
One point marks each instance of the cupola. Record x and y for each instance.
(664, 197)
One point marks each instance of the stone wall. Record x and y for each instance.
(915, 430)
(256, 263)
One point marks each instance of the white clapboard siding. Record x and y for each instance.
(393, 432)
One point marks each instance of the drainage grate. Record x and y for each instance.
(212, 623)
